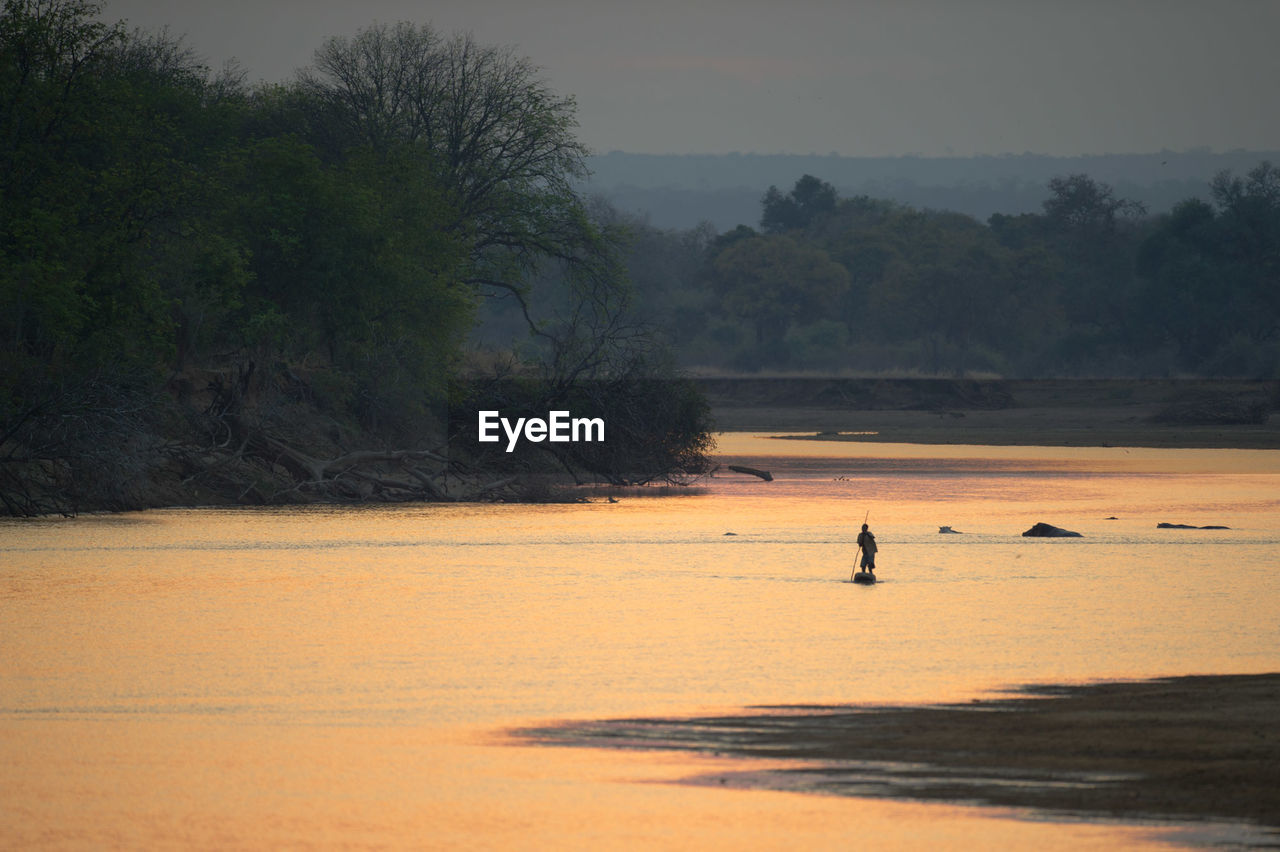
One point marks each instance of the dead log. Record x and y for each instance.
(763, 474)
(493, 486)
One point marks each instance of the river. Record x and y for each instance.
(324, 677)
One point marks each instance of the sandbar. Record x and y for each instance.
(1186, 748)
(1067, 413)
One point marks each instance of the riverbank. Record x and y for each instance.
(1227, 414)
(280, 450)
(1203, 747)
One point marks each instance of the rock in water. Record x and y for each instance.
(1050, 531)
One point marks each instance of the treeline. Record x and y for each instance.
(1090, 286)
(679, 191)
(267, 291)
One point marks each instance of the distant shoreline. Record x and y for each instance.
(683, 190)
(1049, 413)
(1197, 747)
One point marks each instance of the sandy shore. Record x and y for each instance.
(1079, 413)
(1183, 748)
(1022, 427)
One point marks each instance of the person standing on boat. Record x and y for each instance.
(867, 544)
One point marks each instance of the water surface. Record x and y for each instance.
(320, 676)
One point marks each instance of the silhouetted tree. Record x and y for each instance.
(1081, 205)
(774, 281)
(808, 199)
(497, 138)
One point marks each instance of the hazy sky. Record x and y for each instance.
(858, 78)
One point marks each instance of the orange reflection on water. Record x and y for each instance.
(147, 784)
(342, 677)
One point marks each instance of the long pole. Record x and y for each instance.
(855, 560)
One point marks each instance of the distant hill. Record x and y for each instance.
(679, 191)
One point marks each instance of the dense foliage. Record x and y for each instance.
(305, 290)
(1090, 286)
(296, 267)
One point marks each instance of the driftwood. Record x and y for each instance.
(307, 468)
(417, 474)
(369, 467)
(763, 474)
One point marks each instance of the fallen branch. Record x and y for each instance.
(763, 474)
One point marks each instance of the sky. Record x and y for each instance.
(855, 78)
